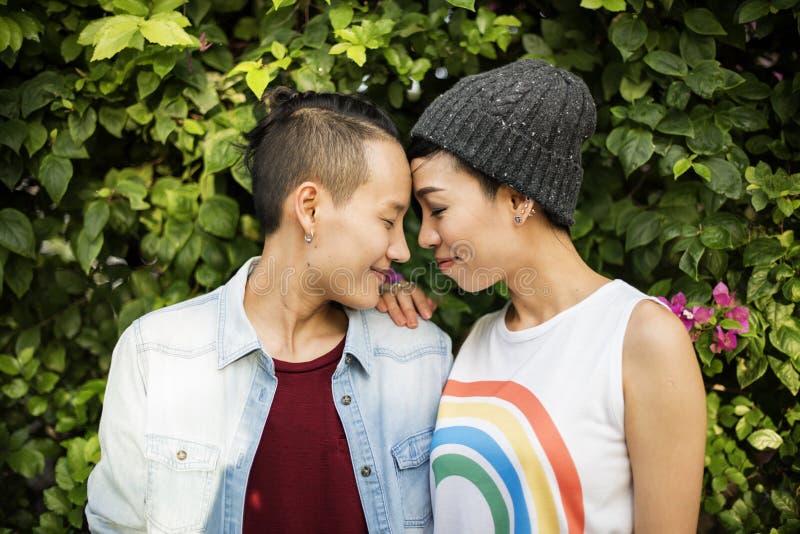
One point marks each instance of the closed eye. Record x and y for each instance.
(438, 211)
(389, 224)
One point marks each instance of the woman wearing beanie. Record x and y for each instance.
(579, 406)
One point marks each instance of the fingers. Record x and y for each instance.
(422, 303)
(381, 306)
(406, 304)
(393, 309)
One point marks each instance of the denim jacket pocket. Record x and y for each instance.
(411, 457)
(179, 483)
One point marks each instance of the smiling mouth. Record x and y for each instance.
(446, 263)
(384, 273)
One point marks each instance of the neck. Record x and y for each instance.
(293, 322)
(547, 278)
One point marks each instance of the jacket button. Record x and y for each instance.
(366, 471)
(346, 400)
(181, 455)
(348, 359)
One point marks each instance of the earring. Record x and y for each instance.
(309, 237)
(518, 219)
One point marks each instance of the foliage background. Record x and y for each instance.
(123, 191)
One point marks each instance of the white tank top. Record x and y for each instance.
(530, 435)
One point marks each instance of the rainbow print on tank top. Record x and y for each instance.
(498, 454)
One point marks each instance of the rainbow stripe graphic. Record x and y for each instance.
(483, 435)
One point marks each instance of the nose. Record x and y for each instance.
(398, 248)
(428, 236)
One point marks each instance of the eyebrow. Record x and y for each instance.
(425, 190)
(398, 206)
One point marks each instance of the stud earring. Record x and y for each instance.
(309, 237)
(518, 219)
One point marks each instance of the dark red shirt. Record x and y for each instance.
(302, 477)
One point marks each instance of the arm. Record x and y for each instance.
(116, 485)
(665, 421)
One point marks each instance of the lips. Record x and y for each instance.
(445, 263)
(382, 273)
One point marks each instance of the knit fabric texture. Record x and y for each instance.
(521, 124)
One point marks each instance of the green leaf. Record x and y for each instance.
(87, 249)
(358, 54)
(36, 138)
(691, 258)
(748, 119)
(628, 33)
(695, 48)
(765, 439)
(340, 16)
(701, 20)
(162, 29)
(752, 10)
(56, 499)
(725, 177)
(55, 173)
(750, 370)
(146, 83)
(786, 373)
(82, 127)
(681, 166)
(95, 218)
(9, 365)
(15, 389)
(762, 251)
(28, 462)
(722, 231)
(66, 147)
(16, 233)
(466, 4)
(113, 119)
(114, 36)
(676, 123)
(13, 133)
(258, 80)
(219, 216)
(220, 150)
(787, 340)
(134, 7)
(705, 78)
(666, 63)
(165, 6)
(140, 113)
(636, 150)
(642, 230)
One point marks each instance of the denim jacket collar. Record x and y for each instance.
(236, 336)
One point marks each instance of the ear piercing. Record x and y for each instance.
(518, 218)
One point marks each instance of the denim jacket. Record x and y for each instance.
(189, 391)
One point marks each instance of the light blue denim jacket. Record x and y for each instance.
(189, 391)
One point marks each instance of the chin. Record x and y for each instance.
(475, 280)
(359, 302)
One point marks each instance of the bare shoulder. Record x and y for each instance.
(653, 329)
(657, 345)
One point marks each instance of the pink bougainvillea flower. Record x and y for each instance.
(678, 306)
(722, 296)
(677, 303)
(701, 315)
(724, 341)
(742, 315)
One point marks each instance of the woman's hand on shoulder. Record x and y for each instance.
(404, 302)
(665, 420)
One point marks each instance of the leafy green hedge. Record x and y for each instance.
(124, 192)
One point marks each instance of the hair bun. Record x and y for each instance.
(279, 96)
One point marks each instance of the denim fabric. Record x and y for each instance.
(189, 391)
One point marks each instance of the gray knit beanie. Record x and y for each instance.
(521, 124)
